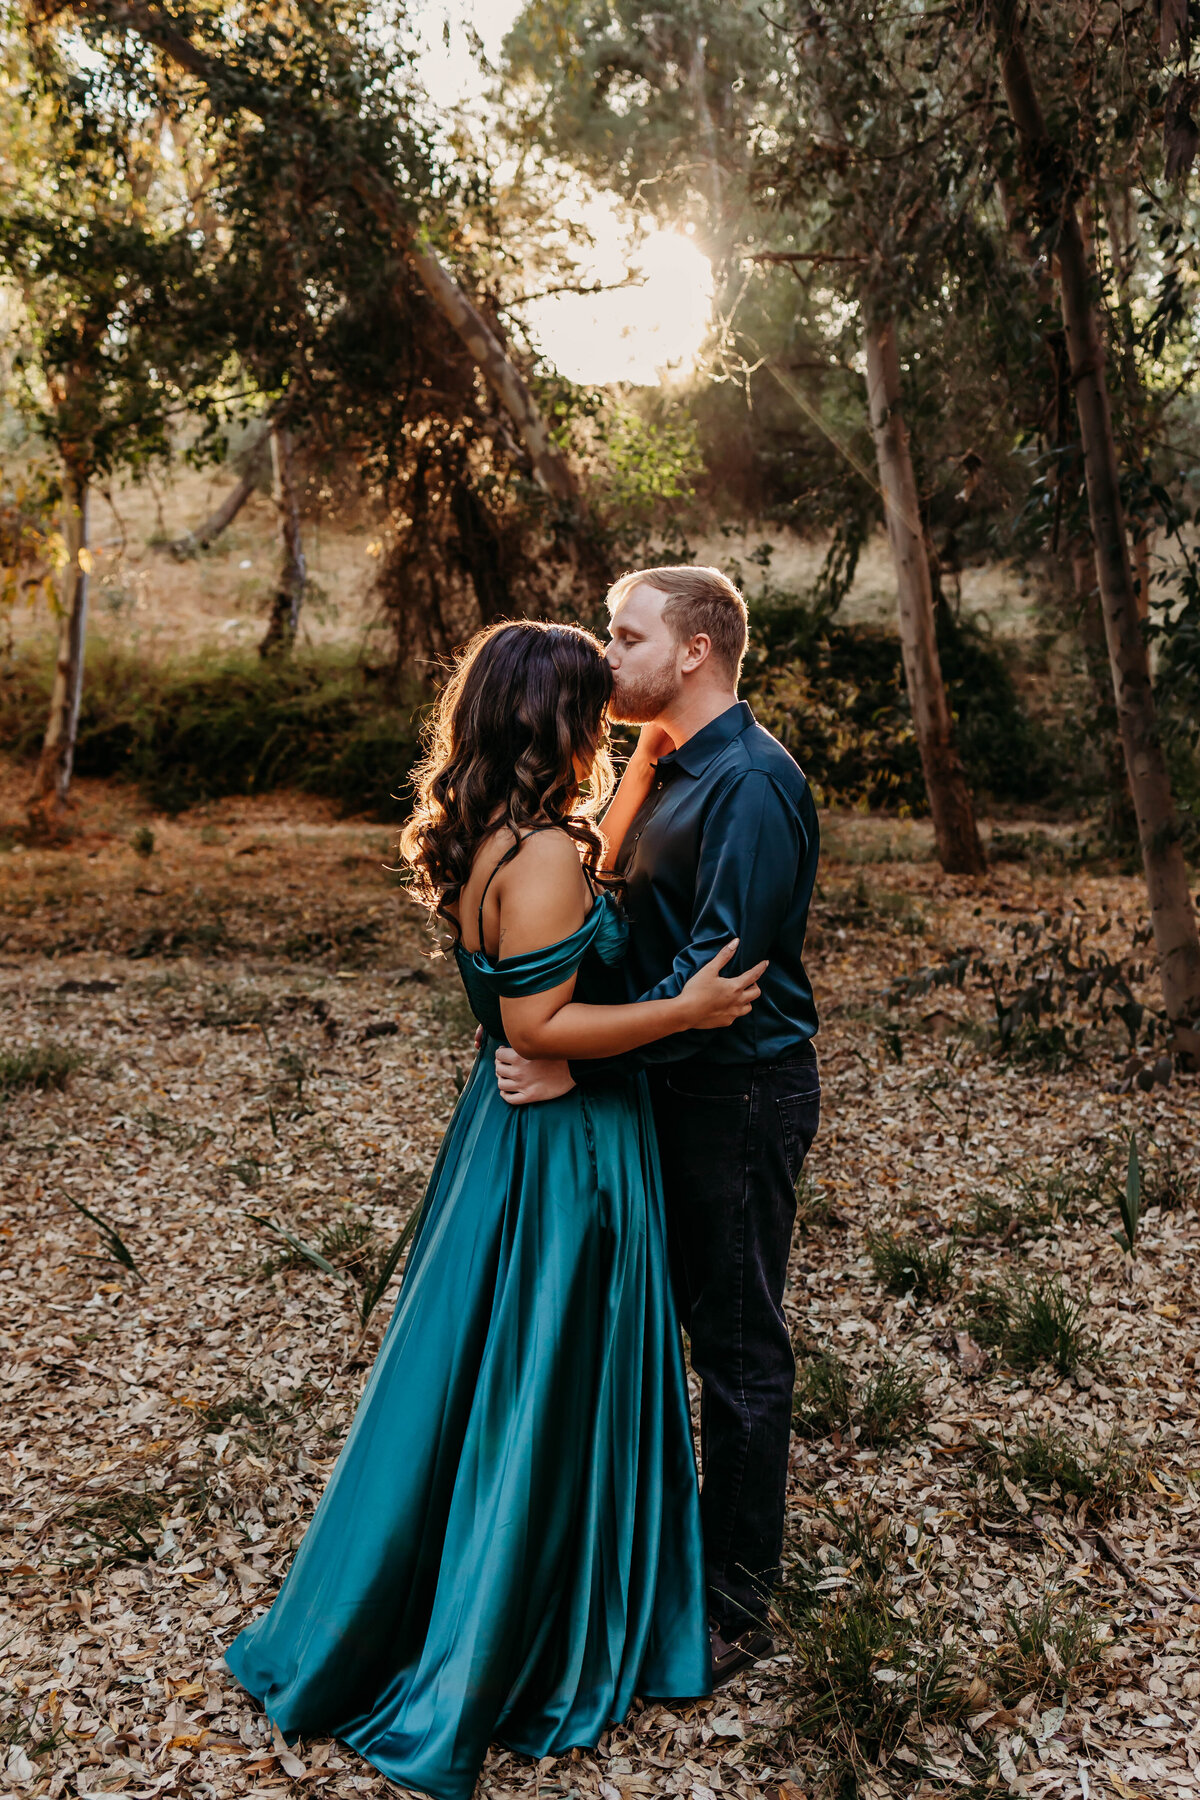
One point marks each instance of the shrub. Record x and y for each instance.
(192, 731)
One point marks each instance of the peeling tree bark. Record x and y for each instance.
(293, 565)
(52, 782)
(959, 849)
(550, 467)
(1172, 917)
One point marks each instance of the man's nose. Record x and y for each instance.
(611, 657)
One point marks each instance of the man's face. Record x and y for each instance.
(645, 656)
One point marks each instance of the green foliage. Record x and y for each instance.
(835, 695)
(1030, 1322)
(38, 1066)
(142, 841)
(912, 1265)
(121, 1526)
(1054, 981)
(116, 1248)
(193, 731)
(1129, 1201)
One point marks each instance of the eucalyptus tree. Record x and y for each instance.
(337, 208)
(788, 141)
(1059, 77)
(111, 286)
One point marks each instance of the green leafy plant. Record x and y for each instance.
(912, 1265)
(142, 841)
(1129, 1201)
(1050, 986)
(348, 1252)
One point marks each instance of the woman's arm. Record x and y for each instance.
(634, 785)
(542, 899)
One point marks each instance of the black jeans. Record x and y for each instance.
(732, 1138)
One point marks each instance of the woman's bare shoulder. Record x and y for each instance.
(544, 893)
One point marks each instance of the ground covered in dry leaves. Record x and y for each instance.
(993, 1578)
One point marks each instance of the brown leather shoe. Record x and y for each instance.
(731, 1655)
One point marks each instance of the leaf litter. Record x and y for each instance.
(993, 1577)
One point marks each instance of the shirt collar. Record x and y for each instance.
(694, 756)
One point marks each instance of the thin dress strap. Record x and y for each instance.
(497, 866)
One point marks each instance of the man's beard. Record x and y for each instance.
(637, 701)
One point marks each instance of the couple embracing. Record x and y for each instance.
(513, 1544)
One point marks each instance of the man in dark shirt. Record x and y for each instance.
(715, 832)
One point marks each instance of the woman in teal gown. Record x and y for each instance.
(509, 1546)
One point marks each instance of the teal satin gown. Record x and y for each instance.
(509, 1546)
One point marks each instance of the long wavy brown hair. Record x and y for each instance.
(522, 713)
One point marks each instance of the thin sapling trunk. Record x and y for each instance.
(959, 849)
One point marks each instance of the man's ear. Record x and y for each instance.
(698, 651)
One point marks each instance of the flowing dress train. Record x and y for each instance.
(509, 1546)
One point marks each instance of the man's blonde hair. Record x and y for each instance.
(700, 599)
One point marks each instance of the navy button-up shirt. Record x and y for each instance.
(725, 845)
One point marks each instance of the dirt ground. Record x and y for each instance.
(252, 1039)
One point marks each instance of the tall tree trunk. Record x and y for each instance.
(1172, 917)
(229, 95)
(293, 567)
(52, 782)
(959, 849)
(1119, 819)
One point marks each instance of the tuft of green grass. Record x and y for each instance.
(862, 1672)
(912, 1265)
(1030, 1322)
(1048, 1649)
(38, 1066)
(1048, 1464)
(821, 1403)
(890, 1406)
(118, 1524)
(142, 841)
(1165, 1182)
(814, 1207)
